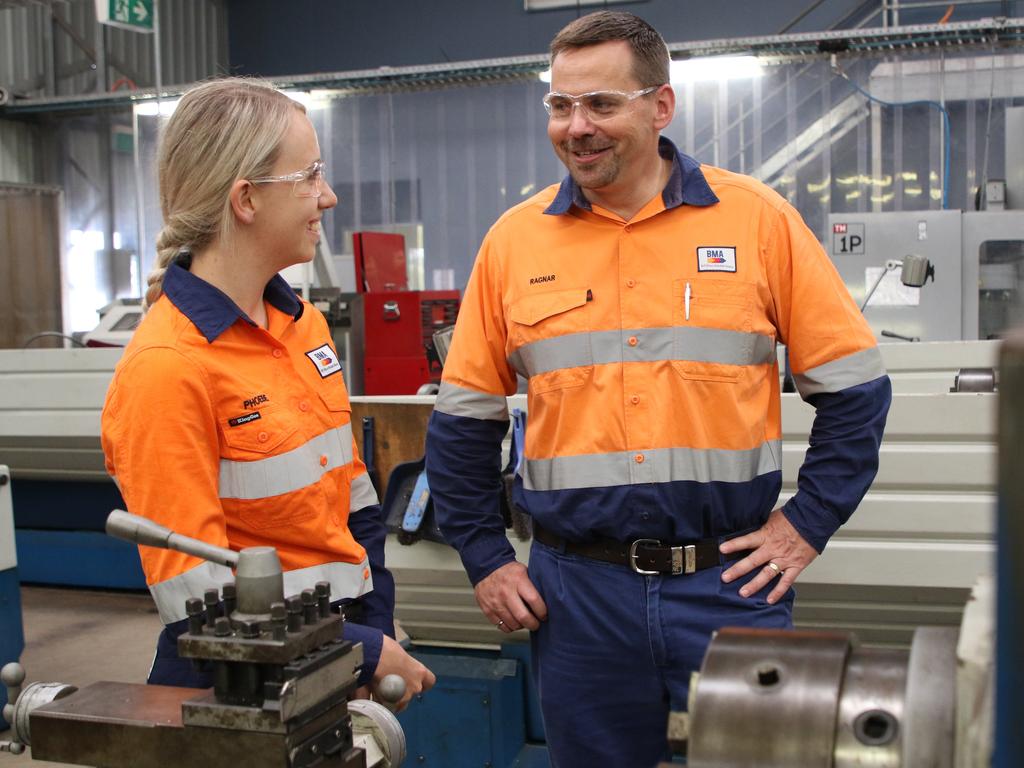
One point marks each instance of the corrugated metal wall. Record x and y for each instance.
(193, 38)
(19, 153)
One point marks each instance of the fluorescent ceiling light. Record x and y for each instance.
(704, 68)
(148, 108)
(716, 68)
(315, 99)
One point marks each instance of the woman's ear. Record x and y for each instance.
(242, 201)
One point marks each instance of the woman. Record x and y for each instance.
(227, 419)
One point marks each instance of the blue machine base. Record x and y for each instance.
(12, 639)
(79, 559)
(476, 715)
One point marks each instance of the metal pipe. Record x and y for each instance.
(157, 68)
(1010, 566)
(124, 525)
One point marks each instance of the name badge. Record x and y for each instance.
(716, 258)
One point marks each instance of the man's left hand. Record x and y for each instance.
(778, 550)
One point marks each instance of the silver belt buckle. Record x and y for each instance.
(684, 559)
(632, 556)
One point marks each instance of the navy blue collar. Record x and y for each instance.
(686, 184)
(210, 309)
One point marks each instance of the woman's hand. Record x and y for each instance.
(395, 661)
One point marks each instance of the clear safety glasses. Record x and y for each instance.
(596, 105)
(305, 183)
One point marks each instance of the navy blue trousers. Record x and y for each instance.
(616, 652)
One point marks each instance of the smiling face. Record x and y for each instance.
(290, 225)
(614, 155)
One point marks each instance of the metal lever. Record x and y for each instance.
(12, 676)
(124, 525)
(390, 691)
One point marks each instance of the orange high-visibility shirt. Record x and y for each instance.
(239, 436)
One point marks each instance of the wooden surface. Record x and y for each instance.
(400, 430)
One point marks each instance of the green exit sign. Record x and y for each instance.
(136, 15)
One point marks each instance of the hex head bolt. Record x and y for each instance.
(211, 597)
(323, 598)
(310, 614)
(229, 593)
(278, 620)
(194, 611)
(222, 627)
(294, 607)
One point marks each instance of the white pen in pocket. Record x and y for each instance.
(686, 301)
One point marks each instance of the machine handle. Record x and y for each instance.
(124, 525)
(391, 690)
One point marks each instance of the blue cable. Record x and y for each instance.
(945, 129)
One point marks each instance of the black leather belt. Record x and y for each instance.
(645, 556)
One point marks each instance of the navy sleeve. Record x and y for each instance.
(464, 473)
(372, 640)
(367, 525)
(842, 459)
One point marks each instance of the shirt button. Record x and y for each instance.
(631, 283)
(628, 228)
(634, 399)
(632, 341)
(303, 405)
(335, 520)
(277, 353)
(323, 460)
(263, 437)
(639, 458)
(645, 515)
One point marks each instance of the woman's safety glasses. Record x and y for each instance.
(596, 105)
(305, 183)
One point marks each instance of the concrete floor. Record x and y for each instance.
(79, 636)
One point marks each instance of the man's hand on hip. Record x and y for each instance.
(778, 550)
(509, 600)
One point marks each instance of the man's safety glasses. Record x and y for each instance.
(305, 183)
(596, 105)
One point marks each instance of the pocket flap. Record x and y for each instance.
(336, 399)
(261, 434)
(530, 310)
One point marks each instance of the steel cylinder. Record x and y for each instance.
(259, 582)
(31, 698)
(774, 698)
(767, 698)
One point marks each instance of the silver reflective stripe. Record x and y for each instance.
(362, 493)
(346, 579)
(170, 595)
(705, 345)
(459, 401)
(286, 472)
(858, 368)
(660, 465)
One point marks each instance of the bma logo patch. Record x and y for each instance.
(716, 258)
(325, 359)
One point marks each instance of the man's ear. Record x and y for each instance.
(243, 203)
(664, 106)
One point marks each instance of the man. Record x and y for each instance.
(642, 299)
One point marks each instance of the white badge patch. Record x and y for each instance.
(325, 360)
(716, 258)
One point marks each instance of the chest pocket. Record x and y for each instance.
(713, 337)
(336, 401)
(549, 331)
(262, 435)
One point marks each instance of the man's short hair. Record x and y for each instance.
(650, 54)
